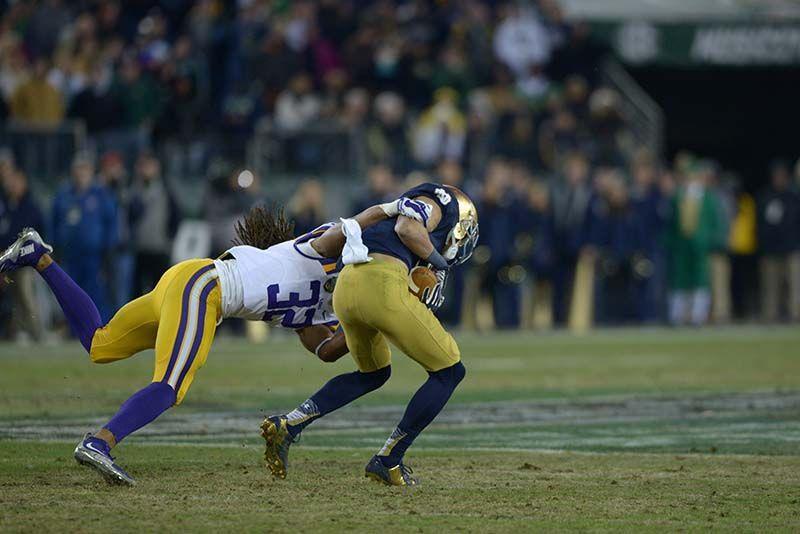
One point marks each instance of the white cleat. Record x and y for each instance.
(88, 453)
(24, 252)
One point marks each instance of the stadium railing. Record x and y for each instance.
(324, 147)
(45, 152)
(643, 113)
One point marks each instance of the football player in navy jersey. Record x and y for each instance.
(375, 307)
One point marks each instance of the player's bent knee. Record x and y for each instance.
(451, 376)
(167, 393)
(99, 347)
(377, 378)
(459, 372)
(98, 357)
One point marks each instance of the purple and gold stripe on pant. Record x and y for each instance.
(191, 326)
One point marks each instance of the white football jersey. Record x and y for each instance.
(286, 285)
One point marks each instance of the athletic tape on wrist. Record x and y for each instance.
(437, 260)
(316, 351)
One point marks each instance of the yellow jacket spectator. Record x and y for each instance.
(441, 130)
(36, 100)
(742, 239)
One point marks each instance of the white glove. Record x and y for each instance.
(413, 209)
(433, 297)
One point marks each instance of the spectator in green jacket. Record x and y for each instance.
(691, 236)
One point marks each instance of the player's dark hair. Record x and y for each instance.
(263, 227)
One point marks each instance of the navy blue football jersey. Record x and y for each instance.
(381, 237)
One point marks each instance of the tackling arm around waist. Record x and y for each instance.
(330, 244)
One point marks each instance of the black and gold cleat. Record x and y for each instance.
(399, 475)
(278, 440)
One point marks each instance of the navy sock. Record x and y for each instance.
(78, 307)
(423, 408)
(339, 391)
(141, 408)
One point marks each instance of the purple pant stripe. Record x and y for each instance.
(176, 346)
(198, 337)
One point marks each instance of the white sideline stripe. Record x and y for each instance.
(191, 326)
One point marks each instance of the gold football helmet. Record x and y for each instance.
(464, 236)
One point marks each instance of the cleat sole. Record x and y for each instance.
(270, 433)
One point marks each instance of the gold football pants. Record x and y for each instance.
(177, 319)
(374, 305)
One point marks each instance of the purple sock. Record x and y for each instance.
(140, 409)
(78, 307)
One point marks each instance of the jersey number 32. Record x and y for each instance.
(297, 312)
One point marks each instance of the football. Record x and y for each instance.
(419, 279)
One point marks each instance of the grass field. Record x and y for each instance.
(617, 430)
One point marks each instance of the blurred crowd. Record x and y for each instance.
(682, 244)
(421, 80)
(503, 99)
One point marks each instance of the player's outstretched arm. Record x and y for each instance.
(326, 345)
(331, 243)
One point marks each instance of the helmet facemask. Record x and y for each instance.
(463, 237)
(459, 251)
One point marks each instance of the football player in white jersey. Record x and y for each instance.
(268, 276)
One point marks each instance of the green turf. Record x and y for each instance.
(226, 489)
(59, 380)
(646, 430)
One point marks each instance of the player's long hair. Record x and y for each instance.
(263, 227)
